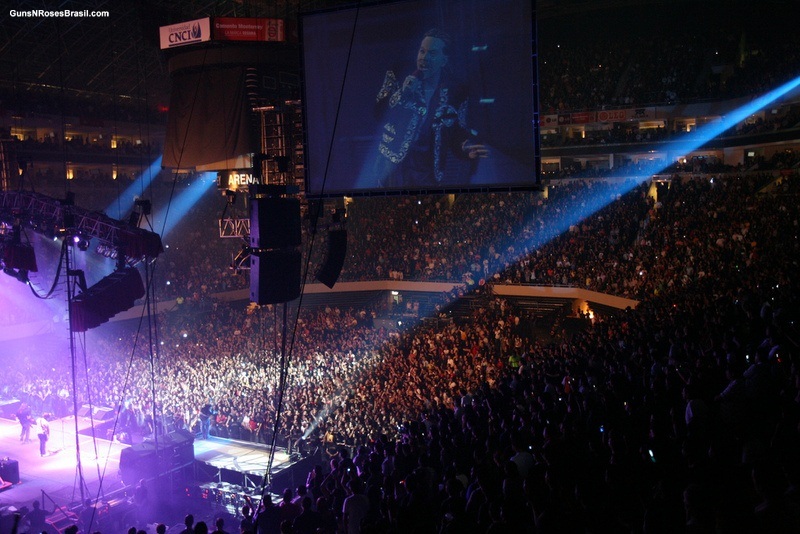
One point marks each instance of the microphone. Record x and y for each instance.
(411, 81)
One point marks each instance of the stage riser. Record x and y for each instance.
(292, 476)
(235, 477)
(8, 409)
(144, 461)
(288, 477)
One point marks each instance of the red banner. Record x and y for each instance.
(583, 117)
(248, 29)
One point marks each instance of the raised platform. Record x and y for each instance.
(223, 470)
(56, 473)
(244, 464)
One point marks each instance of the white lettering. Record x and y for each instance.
(66, 13)
(179, 37)
(236, 179)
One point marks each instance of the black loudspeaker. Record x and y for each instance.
(137, 462)
(337, 251)
(9, 470)
(113, 294)
(102, 413)
(84, 411)
(274, 223)
(274, 276)
(175, 450)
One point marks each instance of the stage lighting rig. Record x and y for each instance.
(43, 214)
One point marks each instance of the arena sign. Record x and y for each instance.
(236, 179)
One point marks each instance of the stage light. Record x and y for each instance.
(107, 251)
(83, 243)
(144, 205)
(184, 202)
(19, 274)
(141, 183)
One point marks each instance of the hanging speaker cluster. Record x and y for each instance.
(113, 294)
(331, 268)
(18, 256)
(275, 256)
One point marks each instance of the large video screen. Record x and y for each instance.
(426, 95)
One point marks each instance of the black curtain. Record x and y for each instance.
(208, 118)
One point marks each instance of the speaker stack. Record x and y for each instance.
(145, 460)
(275, 243)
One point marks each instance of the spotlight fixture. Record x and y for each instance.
(107, 251)
(144, 205)
(19, 274)
(81, 241)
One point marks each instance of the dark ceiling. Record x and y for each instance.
(117, 56)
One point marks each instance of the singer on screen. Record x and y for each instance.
(423, 118)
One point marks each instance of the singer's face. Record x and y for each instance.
(431, 57)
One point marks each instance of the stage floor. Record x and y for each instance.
(56, 474)
(240, 456)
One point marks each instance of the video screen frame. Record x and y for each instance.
(383, 118)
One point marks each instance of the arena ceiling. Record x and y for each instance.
(119, 56)
(107, 57)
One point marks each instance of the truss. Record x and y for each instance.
(51, 216)
(234, 227)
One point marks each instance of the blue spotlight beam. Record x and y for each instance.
(709, 131)
(124, 203)
(585, 207)
(186, 200)
(706, 133)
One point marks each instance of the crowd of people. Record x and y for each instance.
(622, 134)
(678, 414)
(529, 236)
(681, 415)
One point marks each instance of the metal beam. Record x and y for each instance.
(44, 214)
(234, 227)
